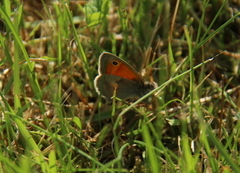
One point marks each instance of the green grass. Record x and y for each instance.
(52, 119)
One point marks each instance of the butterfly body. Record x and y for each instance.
(117, 75)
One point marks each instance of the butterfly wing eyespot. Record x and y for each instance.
(114, 63)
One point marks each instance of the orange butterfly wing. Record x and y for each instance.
(118, 68)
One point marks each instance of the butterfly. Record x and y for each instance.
(116, 75)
